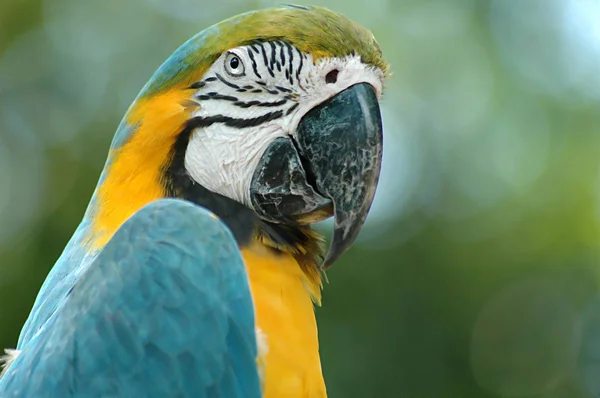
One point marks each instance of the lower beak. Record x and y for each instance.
(331, 164)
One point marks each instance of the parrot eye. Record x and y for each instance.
(234, 65)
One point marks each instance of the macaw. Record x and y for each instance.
(195, 271)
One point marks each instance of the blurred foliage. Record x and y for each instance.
(478, 272)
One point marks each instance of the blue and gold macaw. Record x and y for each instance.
(195, 269)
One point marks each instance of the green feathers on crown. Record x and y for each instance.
(314, 30)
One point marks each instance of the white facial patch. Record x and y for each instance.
(223, 159)
(254, 94)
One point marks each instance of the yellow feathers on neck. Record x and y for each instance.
(134, 170)
(284, 312)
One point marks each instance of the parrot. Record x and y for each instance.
(196, 268)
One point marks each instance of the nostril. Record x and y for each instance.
(331, 77)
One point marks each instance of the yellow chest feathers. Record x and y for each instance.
(286, 318)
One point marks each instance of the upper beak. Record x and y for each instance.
(332, 160)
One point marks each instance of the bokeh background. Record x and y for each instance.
(478, 273)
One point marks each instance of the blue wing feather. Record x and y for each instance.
(164, 310)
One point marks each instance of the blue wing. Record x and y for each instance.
(163, 311)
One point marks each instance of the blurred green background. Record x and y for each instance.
(478, 273)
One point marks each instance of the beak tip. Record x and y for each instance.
(348, 176)
(330, 259)
(343, 238)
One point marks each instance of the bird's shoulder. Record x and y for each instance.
(163, 310)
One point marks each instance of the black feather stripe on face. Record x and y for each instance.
(178, 184)
(242, 221)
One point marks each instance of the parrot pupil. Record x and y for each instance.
(234, 63)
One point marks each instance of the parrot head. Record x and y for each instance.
(269, 119)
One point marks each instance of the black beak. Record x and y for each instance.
(333, 160)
